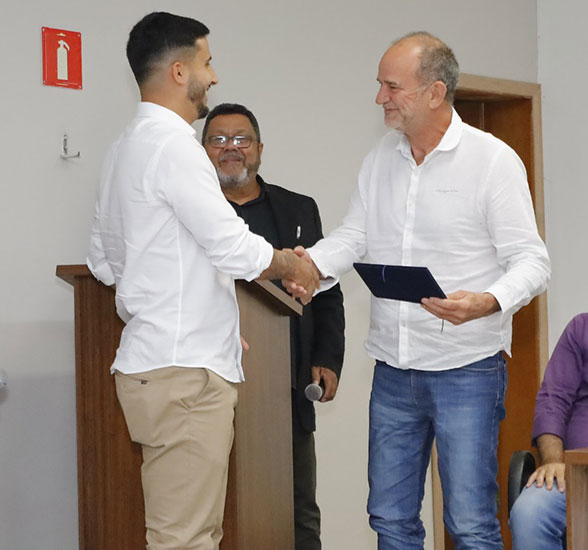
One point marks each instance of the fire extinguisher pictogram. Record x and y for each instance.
(62, 52)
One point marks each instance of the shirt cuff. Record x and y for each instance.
(102, 272)
(503, 296)
(548, 425)
(328, 278)
(266, 255)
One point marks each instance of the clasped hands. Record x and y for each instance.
(304, 277)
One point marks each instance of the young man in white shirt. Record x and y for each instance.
(167, 238)
(436, 192)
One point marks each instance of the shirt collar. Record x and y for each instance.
(449, 141)
(262, 186)
(260, 198)
(153, 110)
(452, 136)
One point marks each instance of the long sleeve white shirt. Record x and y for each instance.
(466, 214)
(172, 244)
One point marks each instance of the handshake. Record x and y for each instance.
(299, 275)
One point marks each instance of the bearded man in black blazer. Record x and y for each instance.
(286, 219)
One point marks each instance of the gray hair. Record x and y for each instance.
(438, 62)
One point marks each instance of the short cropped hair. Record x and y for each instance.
(438, 62)
(155, 36)
(231, 109)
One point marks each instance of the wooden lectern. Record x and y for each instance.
(259, 512)
(577, 498)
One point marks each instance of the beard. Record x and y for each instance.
(395, 122)
(234, 181)
(197, 96)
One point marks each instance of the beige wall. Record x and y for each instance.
(308, 70)
(563, 44)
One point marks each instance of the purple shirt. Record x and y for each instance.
(562, 402)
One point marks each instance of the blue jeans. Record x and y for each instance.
(538, 519)
(461, 408)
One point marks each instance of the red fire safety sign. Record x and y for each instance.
(62, 58)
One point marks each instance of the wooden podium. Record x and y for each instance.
(259, 510)
(577, 498)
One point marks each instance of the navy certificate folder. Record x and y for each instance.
(399, 282)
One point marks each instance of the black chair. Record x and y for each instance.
(522, 465)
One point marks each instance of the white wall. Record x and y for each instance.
(563, 44)
(308, 70)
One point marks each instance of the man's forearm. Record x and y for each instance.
(282, 266)
(550, 448)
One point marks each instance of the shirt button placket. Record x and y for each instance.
(403, 337)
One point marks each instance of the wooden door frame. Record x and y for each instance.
(480, 88)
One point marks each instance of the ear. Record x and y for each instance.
(260, 150)
(179, 72)
(438, 93)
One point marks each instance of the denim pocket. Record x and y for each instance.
(489, 364)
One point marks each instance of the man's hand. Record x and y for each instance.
(547, 473)
(244, 344)
(551, 453)
(462, 306)
(304, 279)
(301, 252)
(291, 286)
(329, 380)
(298, 276)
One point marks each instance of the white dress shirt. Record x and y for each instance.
(466, 214)
(167, 237)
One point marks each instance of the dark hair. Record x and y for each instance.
(156, 35)
(438, 62)
(231, 109)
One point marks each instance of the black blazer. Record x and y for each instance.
(319, 333)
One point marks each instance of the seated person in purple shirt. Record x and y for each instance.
(538, 516)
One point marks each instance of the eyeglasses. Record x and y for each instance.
(241, 142)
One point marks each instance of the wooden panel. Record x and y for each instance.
(261, 458)
(471, 112)
(577, 498)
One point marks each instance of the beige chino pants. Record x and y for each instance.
(183, 419)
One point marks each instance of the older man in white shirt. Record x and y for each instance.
(167, 238)
(436, 192)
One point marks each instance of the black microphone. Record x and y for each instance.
(313, 392)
